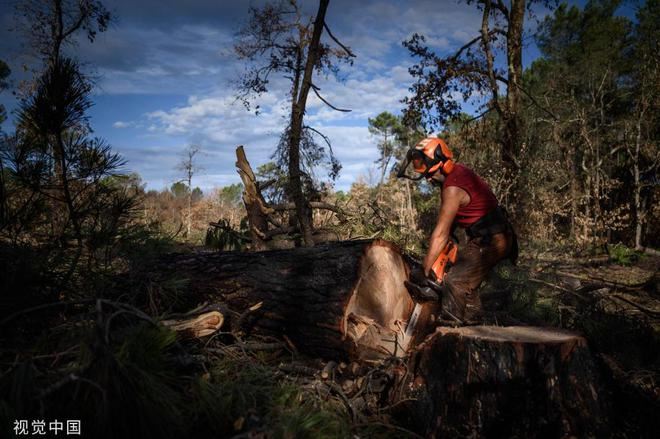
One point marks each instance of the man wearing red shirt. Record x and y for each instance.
(467, 202)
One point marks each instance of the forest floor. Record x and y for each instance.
(614, 301)
(235, 385)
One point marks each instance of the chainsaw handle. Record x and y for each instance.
(444, 261)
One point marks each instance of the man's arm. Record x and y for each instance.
(452, 198)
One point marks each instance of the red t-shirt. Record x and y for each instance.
(482, 199)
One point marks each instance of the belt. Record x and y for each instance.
(494, 222)
(490, 224)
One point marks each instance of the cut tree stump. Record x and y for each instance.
(488, 381)
(341, 300)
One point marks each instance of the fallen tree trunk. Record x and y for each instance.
(487, 381)
(339, 300)
(347, 300)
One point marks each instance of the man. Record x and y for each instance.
(468, 202)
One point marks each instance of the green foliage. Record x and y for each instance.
(384, 127)
(239, 393)
(179, 189)
(527, 304)
(622, 255)
(197, 194)
(272, 181)
(231, 195)
(142, 391)
(223, 237)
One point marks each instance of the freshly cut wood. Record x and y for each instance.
(337, 300)
(198, 326)
(487, 381)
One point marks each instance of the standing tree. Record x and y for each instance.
(4, 73)
(385, 127)
(582, 79)
(189, 167)
(50, 25)
(642, 144)
(474, 70)
(60, 191)
(277, 39)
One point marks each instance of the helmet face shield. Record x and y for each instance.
(421, 165)
(420, 162)
(427, 157)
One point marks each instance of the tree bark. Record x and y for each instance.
(338, 300)
(512, 120)
(295, 184)
(255, 205)
(485, 381)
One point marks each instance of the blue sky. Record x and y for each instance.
(165, 70)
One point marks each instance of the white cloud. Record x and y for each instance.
(196, 60)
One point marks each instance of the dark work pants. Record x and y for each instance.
(475, 260)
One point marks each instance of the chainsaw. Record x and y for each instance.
(425, 289)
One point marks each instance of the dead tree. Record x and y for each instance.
(278, 40)
(267, 231)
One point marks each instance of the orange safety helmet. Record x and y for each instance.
(430, 155)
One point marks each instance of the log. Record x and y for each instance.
(341, 300)
(486, 381)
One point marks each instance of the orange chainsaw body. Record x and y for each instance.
(445, 260)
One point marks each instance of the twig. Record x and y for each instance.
(344, 110)
(289, 343)
(649, 311)
(340, 392)
(297, 369)
(346, 49)
(245, 313)
(386, 425)
(601, 280)
(253, 346)
(57, 385)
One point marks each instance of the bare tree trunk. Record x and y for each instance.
(295, 184)
(386, 163)
(510, 111)
(255, 205)
(189, 210)
(639, 210)
(513, 121)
